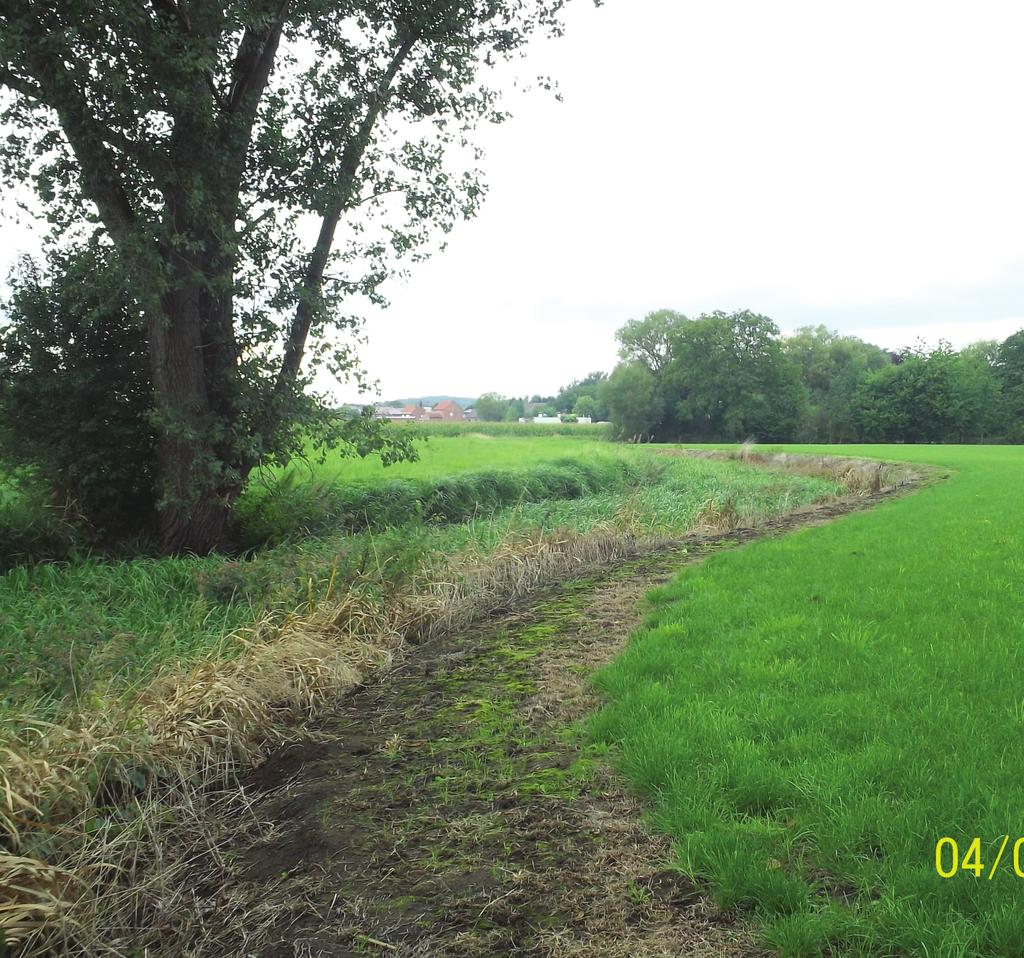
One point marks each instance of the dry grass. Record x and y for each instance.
(718, 516)
(858, 476)
(450, 595)
(117, 799)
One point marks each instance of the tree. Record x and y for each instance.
(514, 410)
(648, 340)
(197, 137)
(881, 405)
(831, 367)
(1009, 368)
(491, 407)
(586, 407)
(933, 395)
(726, 377)
(590, 386)
(720, 376)
(981, 408)
(634, 403)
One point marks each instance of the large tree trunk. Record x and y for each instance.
(196, 485)
(194, 351)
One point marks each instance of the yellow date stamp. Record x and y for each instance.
(973, 857)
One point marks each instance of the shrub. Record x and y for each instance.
(75, 393)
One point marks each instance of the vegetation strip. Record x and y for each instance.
(197, 726)
(68, 628)
(452, 808)
(810, 716)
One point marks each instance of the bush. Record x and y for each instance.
(75, 394)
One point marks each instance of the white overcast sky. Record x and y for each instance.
(857, 165)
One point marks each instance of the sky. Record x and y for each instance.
(856, 165)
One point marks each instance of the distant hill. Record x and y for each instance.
(463, 401)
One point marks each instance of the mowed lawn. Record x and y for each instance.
(811, 714)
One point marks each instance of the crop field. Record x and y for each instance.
(810, 715)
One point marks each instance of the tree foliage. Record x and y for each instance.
(75, 392)
(251, 164)
(588, 388)
(1009, 366)
(634, 400)
(491, 407)
(586, 406)
(731, 377)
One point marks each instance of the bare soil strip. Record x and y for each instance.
(450, 809)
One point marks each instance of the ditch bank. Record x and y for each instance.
(454, 808)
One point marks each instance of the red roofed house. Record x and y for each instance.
(415, 412)
(448, 409)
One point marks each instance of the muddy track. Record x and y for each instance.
(451, 809)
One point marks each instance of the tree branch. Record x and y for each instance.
(88, 137)
(350, 160)
(22, 86)
(254, 59)
(310, 293)
(373, 196)
(251, 70)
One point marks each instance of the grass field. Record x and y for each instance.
(810, 715)
(444, 454)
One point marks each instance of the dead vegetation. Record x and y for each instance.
(858, 476)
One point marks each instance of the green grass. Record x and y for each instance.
(291, 508)
(314, 497)
(73, 633)
(810, 714)
(445, 454)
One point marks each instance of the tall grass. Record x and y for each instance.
(309, 494)
(31, 528)
(289, 508)
(809, 715)
(66, 628)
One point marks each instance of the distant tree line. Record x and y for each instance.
(733, 376)
(580, 398)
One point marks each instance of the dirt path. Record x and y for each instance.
(450, 810)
